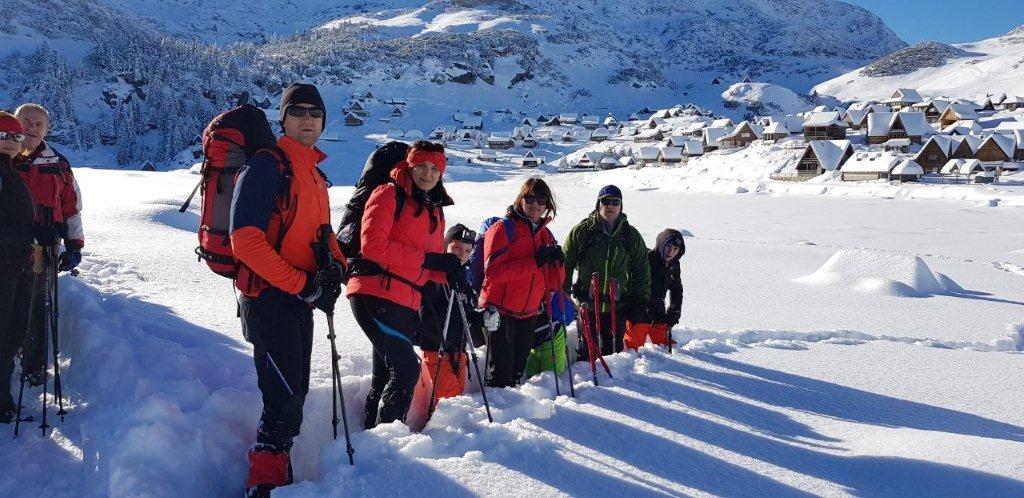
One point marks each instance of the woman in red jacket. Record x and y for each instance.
(519, 274)
(400, 254)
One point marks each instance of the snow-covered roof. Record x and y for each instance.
(600, 132)
(677, 140)
(960, 111)
(961, 167)
(904, 95)
(1004, 142)
(610, 120)
(588, 119)
(722, 123)
(915, 123)
(855, 116)
(663, 113)
(964, 127)
(671, 153)
(973, 142)
(693, 147)
(897, 142)
(944, 142)
(908, 167)
(1007, 126)
(609, 160)
(392, 134)
(712, 134)
(776, 128)
(871, 162)
(349, 115)
(825, 118)
(830, 152)
(744, 125)
(648, 153)
(820, 108)
(626, 161)
(500, 136)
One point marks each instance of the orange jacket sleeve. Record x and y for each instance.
(251, 248)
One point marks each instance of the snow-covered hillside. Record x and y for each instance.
(966, 70)
(830, 345)
(140, 78)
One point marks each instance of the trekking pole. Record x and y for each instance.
(48, 310)
(595, 291)
(472, 354)
(337, 394)
(58, 390)
(613, 303)
(341, 394)
(441, 353)
(589, 343)
(551, 339)
(21, 388)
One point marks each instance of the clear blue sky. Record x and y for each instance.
(947, 21)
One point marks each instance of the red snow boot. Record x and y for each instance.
(267, 470)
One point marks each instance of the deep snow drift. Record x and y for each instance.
(777, 387)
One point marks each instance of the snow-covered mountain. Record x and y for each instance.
(144, 76)
(965, 70)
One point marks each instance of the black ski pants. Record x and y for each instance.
(15, 295)
(396, 366)
(508, 350)
(280, 328)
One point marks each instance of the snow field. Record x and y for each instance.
(776, 388)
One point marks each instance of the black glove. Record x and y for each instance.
(446, 263)
(45, 235)
(69, 259)
(545, 255)
(672, 317)
(320, 293)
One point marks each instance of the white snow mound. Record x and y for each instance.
(879, 272)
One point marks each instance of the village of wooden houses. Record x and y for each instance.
(905, 138)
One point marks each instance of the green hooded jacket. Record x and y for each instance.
(621, 256)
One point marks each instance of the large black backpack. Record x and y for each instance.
(377, 172)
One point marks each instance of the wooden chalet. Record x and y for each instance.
(824, 126)
(823, 155)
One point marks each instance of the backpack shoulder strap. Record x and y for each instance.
(510, 228)
(400, 197)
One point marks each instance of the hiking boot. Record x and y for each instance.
(267, 470)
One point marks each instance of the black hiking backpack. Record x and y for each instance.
(377, 172)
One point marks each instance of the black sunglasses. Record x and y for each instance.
(17, 137)
(536, 199)
(611, 201)
(298, 112)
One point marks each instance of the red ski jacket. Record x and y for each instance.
(48, 176)
(512, 281)
(259, 210)
(399, 245)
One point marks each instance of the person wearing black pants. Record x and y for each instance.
(402, 249)
(511, 345)
(396, 366)
(280, 328)
(607, 345)
(17, 214)
(522, 267)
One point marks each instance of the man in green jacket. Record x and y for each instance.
(606, 244)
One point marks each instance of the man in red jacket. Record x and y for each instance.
(58, 216)
(274, 237)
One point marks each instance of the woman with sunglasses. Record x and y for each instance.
(522, 267)
(402, 248)
(17, 214)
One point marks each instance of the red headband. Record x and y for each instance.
(417, 156)
(10, 124)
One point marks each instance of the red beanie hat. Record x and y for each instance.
(10, 124)
(417, 156)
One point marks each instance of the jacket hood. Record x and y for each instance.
(663, 239)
